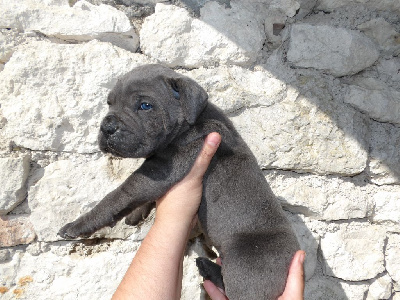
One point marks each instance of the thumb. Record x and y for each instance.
(203, 160)
(294, 289)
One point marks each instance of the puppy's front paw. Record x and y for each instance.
(73, 230)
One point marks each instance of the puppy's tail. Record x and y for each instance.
(210, 271)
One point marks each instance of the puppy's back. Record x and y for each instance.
(243, 218)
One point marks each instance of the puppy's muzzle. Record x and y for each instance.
(110, 125)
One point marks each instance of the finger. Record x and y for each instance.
(219, 261)
(213, 291)
(203, 160)
(294, 289)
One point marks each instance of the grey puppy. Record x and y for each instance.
(163, 116)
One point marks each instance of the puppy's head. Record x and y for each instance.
(148, 108)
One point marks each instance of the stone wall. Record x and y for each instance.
(312, 85)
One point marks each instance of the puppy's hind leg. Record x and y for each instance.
(210, 271)
(139, 214)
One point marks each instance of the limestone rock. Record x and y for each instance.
(206, 41)
(56, 100)
(392, 257)
(15, 230)
(384, 34)
(81, 22)
(83, 185)
(374, 98)
(307, 134)
(354, 252)
(232, 88)
(330, 5)
(61, 271)
(388, 70)
(288, 7)
(381, 288)
(387, 207)
(384, 165)
(338, 51)
(320, 197)
(13, 175)
(191, 283)
(309, 242)
(323, 288)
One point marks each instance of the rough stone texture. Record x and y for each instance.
(321, 198)
(381, 288)
(388, 70)
(15, 231)
(206, 41)
(392, 258)
(338, 51)
(384, 34)
(341, 134)
(65, 267)
(384, 165)
(83, 185)
(329, 5)
(375, 98)
(387, 207)
(354, 252)
(309, 242)
(305, 134)
(233, 88)
(81, 22)
(63, 114)
(323, 288)
(13, 175)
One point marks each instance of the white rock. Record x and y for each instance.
(381, 288)
(389, 69)
(191, 283)
(299, 134)
(387, 207)
(77, 271)
(375, 99)
(84, 184)
(320, 197)
(205, 41)
(323, 288)
(384, 34)
(309, 242)
(392, 255)
(384, 165)
(354, 252)
(80, 275)
(82, 22)
(13, 175)
(56, 100)
(288, 7)
(232, 88)
(330, 5)
(338, 51)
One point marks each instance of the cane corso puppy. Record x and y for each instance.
(164, 117)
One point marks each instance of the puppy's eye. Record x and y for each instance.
(145, 106)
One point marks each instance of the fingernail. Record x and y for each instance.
(213, 140)
(302, 257)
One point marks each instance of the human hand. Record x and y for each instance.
(294, 289)
(183, 199)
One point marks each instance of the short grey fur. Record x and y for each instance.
(238, 213)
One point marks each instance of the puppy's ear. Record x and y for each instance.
(192, 96)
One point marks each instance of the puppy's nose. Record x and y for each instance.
(109, 125)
